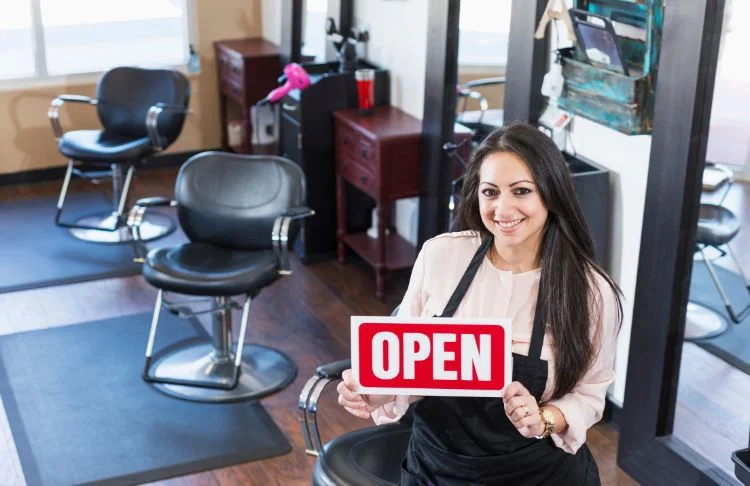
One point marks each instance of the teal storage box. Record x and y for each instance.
(622, 102)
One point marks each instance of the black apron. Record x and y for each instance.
(464, 440)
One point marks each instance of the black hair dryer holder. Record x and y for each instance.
(346, 45)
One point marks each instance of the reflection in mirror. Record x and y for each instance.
(314, 38)
(484, 27)
(714, 420)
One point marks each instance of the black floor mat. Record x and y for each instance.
(80, 412)
(37, 253)
(733, 346)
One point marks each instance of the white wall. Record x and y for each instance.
(627, 157)
(398, 42)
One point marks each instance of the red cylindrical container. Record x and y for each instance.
(365, 90)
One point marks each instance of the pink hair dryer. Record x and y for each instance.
(296, 78)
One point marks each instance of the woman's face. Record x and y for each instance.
(509, 202)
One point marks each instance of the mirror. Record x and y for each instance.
(484, 29)
(717, 346)
(314, 37)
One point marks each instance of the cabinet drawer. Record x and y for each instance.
(354, 145)
(232, 88)
(230, 66)
(358, 175)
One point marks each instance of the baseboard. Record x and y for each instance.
(612, 413)
(172, 159)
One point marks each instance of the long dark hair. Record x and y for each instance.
(566, 251)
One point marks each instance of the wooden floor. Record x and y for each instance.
(305, 315)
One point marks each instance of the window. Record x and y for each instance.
(484, 28)
(45, 38)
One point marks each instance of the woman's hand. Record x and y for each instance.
(522, 410)
(359, 405)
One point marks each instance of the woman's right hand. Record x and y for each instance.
(359, 405)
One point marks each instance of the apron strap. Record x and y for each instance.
(537, 332)
(466, 279)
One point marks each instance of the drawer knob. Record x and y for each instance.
(363, 179)
(363, 153)
(288, 107)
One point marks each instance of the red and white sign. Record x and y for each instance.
(431, 356)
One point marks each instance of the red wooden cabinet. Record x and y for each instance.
(379, 155)
(247, 70)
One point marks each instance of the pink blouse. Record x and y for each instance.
(494, 292)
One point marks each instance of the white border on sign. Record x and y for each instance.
(505, 323)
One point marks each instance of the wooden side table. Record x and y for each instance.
(381, 156)
(247, 70)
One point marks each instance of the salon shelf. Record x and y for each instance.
(399, 252)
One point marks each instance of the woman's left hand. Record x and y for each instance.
(522, 410)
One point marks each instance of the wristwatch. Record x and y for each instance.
(548, 420)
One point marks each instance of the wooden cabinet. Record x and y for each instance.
(379, 155)
(248, 69)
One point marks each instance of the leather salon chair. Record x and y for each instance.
(717, 226)
(364, 457)
(141, 112)
(484, 120)
(241, 213)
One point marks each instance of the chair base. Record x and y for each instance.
(703, 323)
(263, 371)
(153, 227)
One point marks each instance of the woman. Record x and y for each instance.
(520, 230)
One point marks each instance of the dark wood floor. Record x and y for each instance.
(305, 315)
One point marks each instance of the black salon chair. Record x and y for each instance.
(364, 457)
(484, 120)
(141, 112)
(240, 212)
(717, 226)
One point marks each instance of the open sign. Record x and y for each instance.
(431, 356)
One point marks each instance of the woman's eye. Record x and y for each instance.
(489, 192)
(522, 191)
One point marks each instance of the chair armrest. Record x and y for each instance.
(727, 181)
(150, 202)
(333, 370)
(308, 403)
(298, 212)
(135, 218)
(476, 83)
(280, 234)
(53, 112)
(152, 121)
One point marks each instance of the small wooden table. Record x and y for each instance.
(381, 156)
